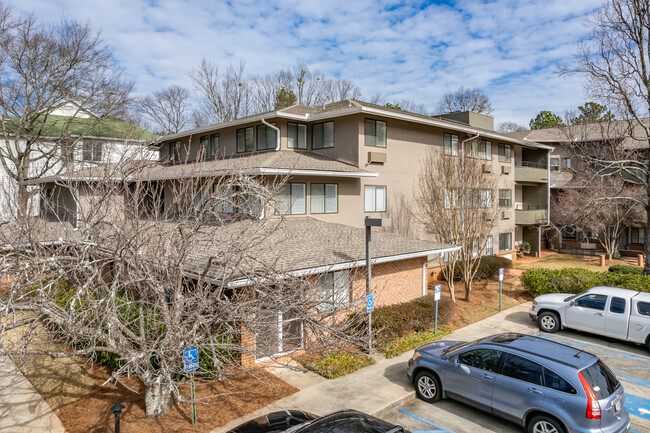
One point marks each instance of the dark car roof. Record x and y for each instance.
(348, 421)
(544, 348)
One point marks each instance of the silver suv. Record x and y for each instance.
(545, 386)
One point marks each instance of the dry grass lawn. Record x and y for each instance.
(561, 261)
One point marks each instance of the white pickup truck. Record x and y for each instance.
(616, 313)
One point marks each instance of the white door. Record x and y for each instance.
(587, 313)
(616, 317)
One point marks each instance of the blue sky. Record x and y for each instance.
(415, 50)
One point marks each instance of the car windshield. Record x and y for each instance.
(601, 379)
(568, 298)
(456, 347)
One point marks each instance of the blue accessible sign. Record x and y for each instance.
(370, 303)
(191, 359)
(500, 274)
(436, 294)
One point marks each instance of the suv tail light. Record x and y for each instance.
(593, 407)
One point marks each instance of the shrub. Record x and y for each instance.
(623, 269)
(617, 254)
(399, 345)
(488, 267)
(525, 247)
(538, 281)
(419, 314)
(337, 364)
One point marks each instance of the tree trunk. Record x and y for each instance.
(646, 245)
(158, 398)
(23, 201)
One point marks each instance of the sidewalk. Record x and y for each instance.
(384, 385)
(22, 409)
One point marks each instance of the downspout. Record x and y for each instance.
(277, 134)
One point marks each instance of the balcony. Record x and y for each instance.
(531, 172)
(531, 214)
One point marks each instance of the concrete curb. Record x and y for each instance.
(391, 406)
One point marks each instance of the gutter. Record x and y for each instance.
(277, 133)
(349, 265)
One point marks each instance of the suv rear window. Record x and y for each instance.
(601, 380)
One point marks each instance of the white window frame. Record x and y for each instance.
(450, 144)
(334, 290)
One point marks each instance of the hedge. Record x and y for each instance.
(636, 270)
(488, 267)
(539, 281)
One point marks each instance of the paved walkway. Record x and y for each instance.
(384, 385)
(22, 409)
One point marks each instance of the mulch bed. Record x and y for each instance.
(90, 413)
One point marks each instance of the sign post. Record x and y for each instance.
(191, 363)
(436, 297)
(370, 300)
(500, 287)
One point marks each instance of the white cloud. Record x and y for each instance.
(509, 49)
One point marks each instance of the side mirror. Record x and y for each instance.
(572, 303)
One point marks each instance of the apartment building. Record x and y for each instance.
(108, 141)
(568, 170)
(347, 161)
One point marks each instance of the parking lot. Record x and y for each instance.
(630, 362)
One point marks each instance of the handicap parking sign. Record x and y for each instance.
(191, 359)
(500, 274)
(370, 303)
(436, 294)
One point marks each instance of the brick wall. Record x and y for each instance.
(247, 357)
(392, 282)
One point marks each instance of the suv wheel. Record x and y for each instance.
(427, 387)
(544, 424)
(548, 322)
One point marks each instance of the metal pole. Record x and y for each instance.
(435, 326)
(369, 284)
(117, 410)
(192, 396)
(500, 291)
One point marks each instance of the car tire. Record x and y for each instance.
(427, 387)
(544, 424)
(548, 321)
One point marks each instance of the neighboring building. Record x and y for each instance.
(347, 161)
(568, 170)
(108, 141)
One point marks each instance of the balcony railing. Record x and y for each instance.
(531, 214)
(526, 171)
(520, 206)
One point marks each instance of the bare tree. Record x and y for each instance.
(616, 63)
(509, 126)
(603, 207)
(464, 99)
(44, 66)
(147, 273)
(455, 204)
(222, 97)
(168, 110)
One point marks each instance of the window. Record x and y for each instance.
(334, 290)
(92, 151)
(592, 301)
(643, 308)
(451, 144)
(224, 202)
(324, 198)
(266, 137)
(484, 359)
(213, 147)
(566, 163)
(204, 142)
(296, 135)
(375, 197)
(617, 305)
(637, 236)
(474, 148)
(175, 152)
(245, 139)
(601, 379)
(451, 198)
(375, 133)
(485, 150)
(504, 152)
(292, 199)
(489, 245)
(555, 381)
(522, 369)
(322, 135)
(486, 198)
(472, 198)
(505, 197)
(505, 242)
(555, 164)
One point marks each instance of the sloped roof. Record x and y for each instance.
(631, 132)
(56, 126)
